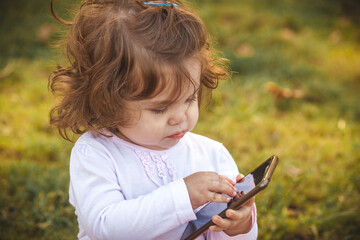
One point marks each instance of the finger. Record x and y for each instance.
(222, 223)
(234, 215)
(240, 178)
(221, 178)
(217, 197)
(218, 177)
(228, 179)
(222, 186)
(238, 215)
(215, 228)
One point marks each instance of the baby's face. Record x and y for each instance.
(159, 125)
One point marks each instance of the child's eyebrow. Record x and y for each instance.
(159, 103)
(168, 102)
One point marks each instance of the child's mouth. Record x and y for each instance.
(177, 135)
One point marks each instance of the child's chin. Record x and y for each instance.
(170, 143)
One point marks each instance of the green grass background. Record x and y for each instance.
(311, 46)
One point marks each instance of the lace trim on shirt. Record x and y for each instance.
(157, 166)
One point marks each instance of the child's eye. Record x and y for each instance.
(159, 111)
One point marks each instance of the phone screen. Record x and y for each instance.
(244, 186)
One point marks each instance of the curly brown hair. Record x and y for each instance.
(117, 50)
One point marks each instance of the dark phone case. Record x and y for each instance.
(237, 204)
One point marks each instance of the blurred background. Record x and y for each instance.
(294, 93)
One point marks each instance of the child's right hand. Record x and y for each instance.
(206, 187)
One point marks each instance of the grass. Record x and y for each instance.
(309, 47)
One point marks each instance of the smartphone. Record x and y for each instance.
(247, 188)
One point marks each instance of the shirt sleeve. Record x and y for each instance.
(104, 213)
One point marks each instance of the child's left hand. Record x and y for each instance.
(237, 221)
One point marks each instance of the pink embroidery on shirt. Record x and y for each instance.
(170, 165)
(160, 166)
(159, 163)
(147, 164)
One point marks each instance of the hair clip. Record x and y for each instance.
(162, 3)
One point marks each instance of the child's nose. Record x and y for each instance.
(178, 117)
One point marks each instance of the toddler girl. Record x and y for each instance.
(138, 72)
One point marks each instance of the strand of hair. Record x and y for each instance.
(60, 20)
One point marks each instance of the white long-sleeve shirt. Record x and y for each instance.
(123, 191)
